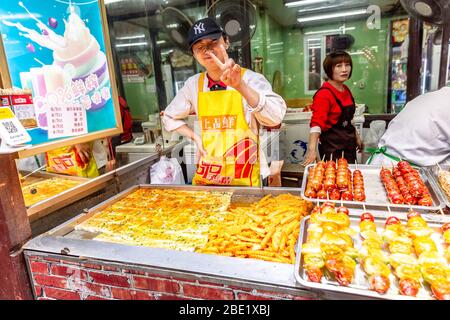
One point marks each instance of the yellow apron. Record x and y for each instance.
(233, 149)
(66, 160)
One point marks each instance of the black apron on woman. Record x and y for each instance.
(342, 136)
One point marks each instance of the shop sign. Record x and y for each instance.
(60, 50)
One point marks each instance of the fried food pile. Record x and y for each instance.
(42, 190)
(170, 219)
(204, 222)
(267, 230)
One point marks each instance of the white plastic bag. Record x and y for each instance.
(166, 171)
(376, 131)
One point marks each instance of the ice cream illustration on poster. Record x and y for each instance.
(56, 48)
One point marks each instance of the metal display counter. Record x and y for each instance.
(151, 271)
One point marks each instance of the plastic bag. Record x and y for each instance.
(66, 160)
(374, 134)
(166, 171)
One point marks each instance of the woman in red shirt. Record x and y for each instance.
(333, 109)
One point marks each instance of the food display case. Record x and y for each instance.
(71, 262)
(75, 189)
(375, 191)
(155, 271)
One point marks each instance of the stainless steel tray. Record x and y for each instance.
(433, 172)
(44, 207)
(86, 188)
(360, 286)
(241, 196)
(80, 245)
(376, 193)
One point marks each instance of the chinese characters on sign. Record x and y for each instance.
(66, 110)
(56, 50)
(219, 122)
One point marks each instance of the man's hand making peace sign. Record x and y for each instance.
(231, 72)
(231, 76)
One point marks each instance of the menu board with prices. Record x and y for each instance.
(67, 120)
(60, 52)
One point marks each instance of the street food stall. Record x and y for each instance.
(218, 243)
(350, 231)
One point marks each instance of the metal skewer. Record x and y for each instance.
(38, 169)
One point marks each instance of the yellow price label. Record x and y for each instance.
(6, 113)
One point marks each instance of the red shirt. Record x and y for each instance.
(326, 111)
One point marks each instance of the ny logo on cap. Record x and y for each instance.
(199, 28)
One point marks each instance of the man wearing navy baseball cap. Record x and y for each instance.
(231, 103)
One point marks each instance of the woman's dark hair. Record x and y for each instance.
(335, 58)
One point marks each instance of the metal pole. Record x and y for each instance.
(443, 69)
(414, 58)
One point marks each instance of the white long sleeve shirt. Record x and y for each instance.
(421, 131)
(269, 112)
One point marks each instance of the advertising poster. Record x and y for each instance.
(56, 49)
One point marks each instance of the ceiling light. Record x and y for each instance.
(333, 15)
(319, 8)
(160, 41)
(303, 3)
(112, 1)
(131, 37)
(133, 44)
(330, 30)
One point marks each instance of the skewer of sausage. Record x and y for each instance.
(319, 173)
(404, 264)
(372, 261)
(408, 198)
(347, 195)
(358, 185)
(342, 175)
(330, 175)
(433, 267)
(426, 199)
(310, 192)
(391, 187)
(411, 178)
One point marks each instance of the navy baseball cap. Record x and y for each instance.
(205, 28)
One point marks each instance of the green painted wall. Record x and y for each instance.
(370, 75)
(141, 98)
(369, 79)
(268, 42)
